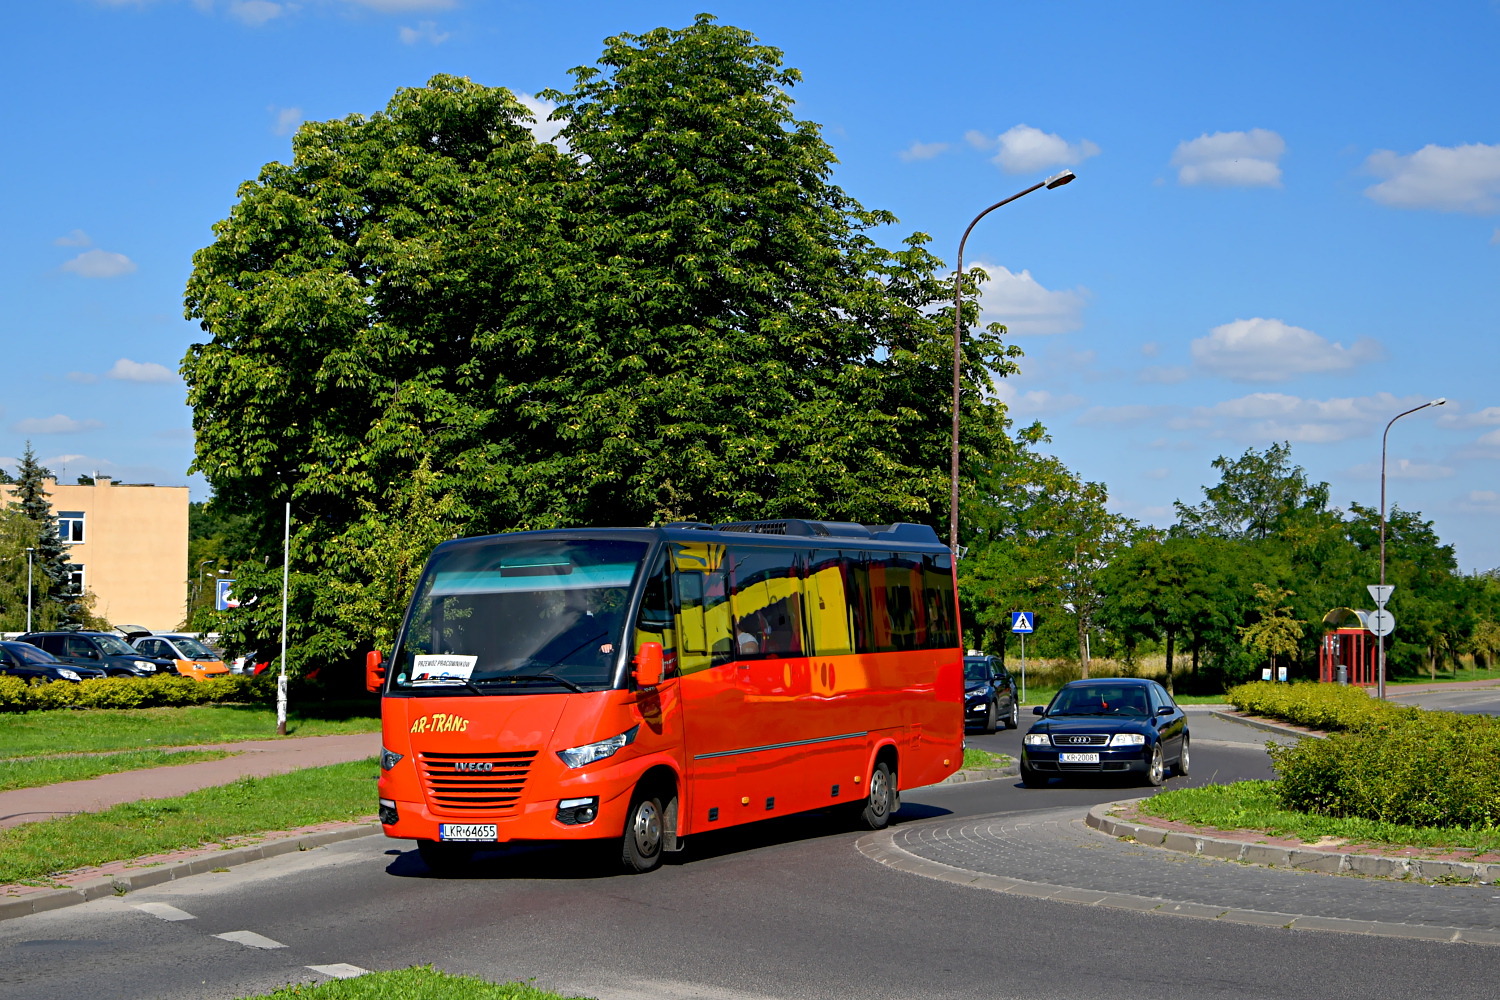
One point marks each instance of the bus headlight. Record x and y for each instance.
(388, 759)
(580, 756)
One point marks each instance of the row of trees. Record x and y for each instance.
(27, 523)
(430, 324)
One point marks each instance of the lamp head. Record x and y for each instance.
(1439, 401)
(1058, 180)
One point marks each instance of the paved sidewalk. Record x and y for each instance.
(253, 759)
(1056, 848)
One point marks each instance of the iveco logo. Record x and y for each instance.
(471, 765)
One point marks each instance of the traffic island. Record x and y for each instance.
(1124, 819)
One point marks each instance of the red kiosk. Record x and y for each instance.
(1347, 642)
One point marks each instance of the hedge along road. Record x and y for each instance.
(784, 909)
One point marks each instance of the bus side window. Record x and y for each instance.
(767, 601)
(857, 588)
(937, 595)
(654, 622)
(702, 608)
(829, 617)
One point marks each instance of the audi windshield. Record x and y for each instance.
(1101, 699)
(518, 617)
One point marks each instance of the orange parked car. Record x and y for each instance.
(191, 657)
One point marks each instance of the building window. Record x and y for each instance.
(75, 577)
(70, 525)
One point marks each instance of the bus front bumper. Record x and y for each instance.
(540, 820)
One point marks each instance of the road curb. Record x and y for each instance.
(1305, 858)
(1270, 727)
(119, 885)
(981, 774)
(880, 848)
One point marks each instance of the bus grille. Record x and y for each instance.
(472, 782)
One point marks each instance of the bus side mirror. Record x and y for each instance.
(374, 671)
(648, 664)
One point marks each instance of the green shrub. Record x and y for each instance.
(133, 692)
(1331, 707)
(1433, 769)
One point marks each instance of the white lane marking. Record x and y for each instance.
(250, 939)
(339, 970)
(164, 912)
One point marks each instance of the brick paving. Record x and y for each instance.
(1056, 847)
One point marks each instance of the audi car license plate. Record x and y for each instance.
(477, 831)
(1079, 758)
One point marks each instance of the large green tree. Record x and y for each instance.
(674, 315)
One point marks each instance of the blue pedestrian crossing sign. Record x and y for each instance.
(1020, 621)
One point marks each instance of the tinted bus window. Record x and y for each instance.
(831, 622)
(654, 621)
(895, 611)
(702, 586)
(766, 595)
(937, 599)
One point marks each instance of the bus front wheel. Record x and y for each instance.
(645, 833)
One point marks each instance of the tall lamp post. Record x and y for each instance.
(1055, 181)
(1380, 680)
(30, 561)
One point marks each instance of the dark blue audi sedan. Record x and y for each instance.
(1121, 725)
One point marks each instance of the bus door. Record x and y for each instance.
(711, 695)
(840, 686)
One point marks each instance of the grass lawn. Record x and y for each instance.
(50, 770)
(1252, 805)
(29, 734)
(33, 851)
(1484, 674)
(420, 983)
(983, 758)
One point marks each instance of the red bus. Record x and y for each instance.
(647, 684)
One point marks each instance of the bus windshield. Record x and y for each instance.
(523, 616)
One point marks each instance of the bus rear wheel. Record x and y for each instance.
(875, 812)
(445, 859)
(645, 833)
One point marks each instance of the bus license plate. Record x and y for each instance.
(474, 831)
(1080, 758)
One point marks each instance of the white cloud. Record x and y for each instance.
(1275, 416)
(1024, 149)
(1492, 438)
(923, 151)
(400, 6)
(1025, 307)
(1480, 501)
(1138, 413)
(1403, 468)
(1495, 239)
(85, 378)
(425, 31)
(286, 119)
(254, 12)
(1150, 348)
(77, 238)
(1444, 178)
(1036, 402)
(57, 424)
(1163, 374)
(1231, 159)
(544, 130)
(1156, 473)
(1268, 350)
(1486, 417)
(100, 264)
(126, 370)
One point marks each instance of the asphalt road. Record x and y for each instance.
(1483, 701)
(783, 909)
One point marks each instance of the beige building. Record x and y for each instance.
(128, 545)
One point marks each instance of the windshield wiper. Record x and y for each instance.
(548, 678)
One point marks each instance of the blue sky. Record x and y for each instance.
(1286, 224)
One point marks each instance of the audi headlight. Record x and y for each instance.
(68, 675)
(1127, 740)
(146, 666)
(389, 760)
(580, 756)
(1037, 739)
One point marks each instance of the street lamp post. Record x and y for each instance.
(1055, 181)
(198, 593)
(30, 561)
(1380, 679)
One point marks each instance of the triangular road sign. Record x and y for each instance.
(1381, 593)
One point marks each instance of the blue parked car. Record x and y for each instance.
(1122, 725)
(37, 666)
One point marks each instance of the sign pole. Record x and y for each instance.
(1023, 668)
(286, 549)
